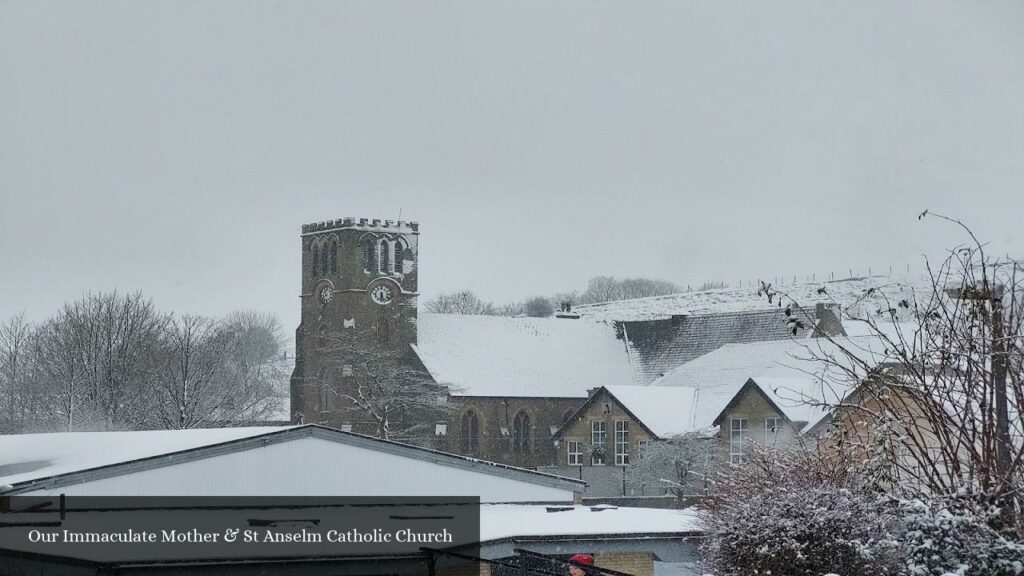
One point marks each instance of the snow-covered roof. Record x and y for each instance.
(535, 357)
(660, 408)
(498, 521)
(25, 457)
(35, 463)
(741, 299)
(784, 370)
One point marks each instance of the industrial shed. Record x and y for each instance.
(307, 460)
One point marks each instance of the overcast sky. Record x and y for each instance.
(177, 147)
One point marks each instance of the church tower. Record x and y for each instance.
(359, 280)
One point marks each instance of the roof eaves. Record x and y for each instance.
(314, 430)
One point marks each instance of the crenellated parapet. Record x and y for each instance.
(367, 224)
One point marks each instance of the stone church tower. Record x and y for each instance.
(359, 277)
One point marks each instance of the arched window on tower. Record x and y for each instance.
(316, 259)
(325, 390)
(469, 440)
(324, 255)
(383, 257)
(334, 256)
(392, 257)
(521, 433)
(368, 247)
(399, 257)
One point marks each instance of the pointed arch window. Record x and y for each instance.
(334, 256)
(325, 390)
(316, 259)
(521, 432)
(399, 257)
(324, 255)
(368, 249)
(382, 259)
(469, 440)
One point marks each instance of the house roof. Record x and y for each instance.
(785, 372)
(660, 408)
(31, 461)
(530, 357)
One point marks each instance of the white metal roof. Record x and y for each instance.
(25, 457)
(305, 460)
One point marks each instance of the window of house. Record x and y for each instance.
(521, 433)
(621, 442)
(469, 441)
(737, 438)
(640, 447)
(771, 429)
(574, 448)
(598, 441)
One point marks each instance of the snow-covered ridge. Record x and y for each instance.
(848, 292)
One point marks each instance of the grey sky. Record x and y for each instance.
(176, 147)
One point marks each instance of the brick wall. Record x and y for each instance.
(637, 563)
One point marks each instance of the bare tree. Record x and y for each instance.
(15, 358)
(189, 379)
(538, 307)
(939, 414)
(107, 341)
(511, 309)
(461, 302)
(608, 288)
(713, 285)
(680, 465)
(380, 386)
(212, 373)
(255, 366)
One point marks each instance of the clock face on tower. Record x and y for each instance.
(326, 294)
(381, 294)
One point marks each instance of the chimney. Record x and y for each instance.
(565, 311)
(826, 322)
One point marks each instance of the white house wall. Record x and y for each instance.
(313, 467)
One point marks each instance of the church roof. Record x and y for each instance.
(658, 346)
(528, 357)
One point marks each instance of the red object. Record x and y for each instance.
(585, 559)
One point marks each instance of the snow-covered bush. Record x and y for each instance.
(956, 538)
(789, 514)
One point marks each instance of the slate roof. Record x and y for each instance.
(527, 357)
(658, 346)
